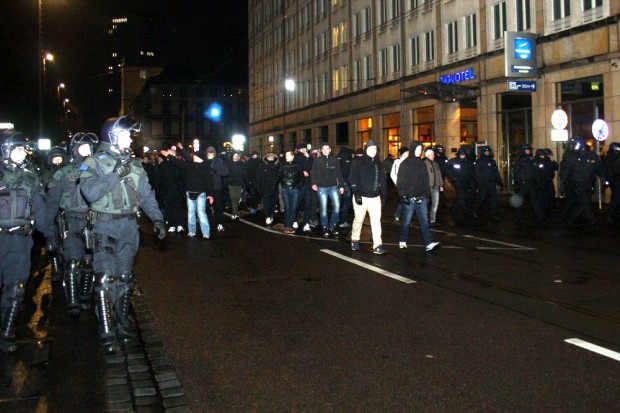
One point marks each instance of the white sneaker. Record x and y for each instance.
(307, 228)
(180, 229)
(220, 228)
(206, 236)
(191, 234)
(268, 221)
(172, 229)
(402, 245)
(432, 246)
(295, 225)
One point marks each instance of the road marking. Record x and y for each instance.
(593, 347)
(517, 246)
(369, 267)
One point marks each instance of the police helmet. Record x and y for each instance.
(614, 146)
(461, 151)
(54, 152)
(80, 139)
(485, 148)
(113, 126)
(526, 147)
(439, 149)
(577, 143)
(10, 140)
(540, 153)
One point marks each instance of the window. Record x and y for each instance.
(453, 37)
(415, 51)
(429, 42)
(357, 71)
(395, 8)
(413, 4)
(344, 76)
(344, 33)
(383, 66)
(335, 35)
(561, 9)
(382, 11)
(396, 58)
(523, 15)
(165, 107)
(357, 29)
(367, 20)
(471, 31)
(368, 67)
(590, 4)
(499, 19)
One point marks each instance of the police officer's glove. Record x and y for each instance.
(358, 199)
(160, 229)
(51, 244)
(122, 169)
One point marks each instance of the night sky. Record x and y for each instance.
(200, 36)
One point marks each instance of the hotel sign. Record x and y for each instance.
(520, 54)
(458, 77)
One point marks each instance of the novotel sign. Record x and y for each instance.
(467, 74)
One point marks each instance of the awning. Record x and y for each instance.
(444, 92)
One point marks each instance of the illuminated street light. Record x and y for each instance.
(238, 141)
(289, 84)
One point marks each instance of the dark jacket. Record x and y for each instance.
(169, 179)
(413, 176)
(198, 177)
(237, 173)
(306, 166)
(326, 172)
(252, 167)
(291, 175)
(486, 171)
(345, 156)
(460, 171)
(267, 175)
(367, 177)
(219, 170)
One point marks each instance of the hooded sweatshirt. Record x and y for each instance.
(413, 179)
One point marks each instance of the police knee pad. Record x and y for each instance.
(15, 292)
(72, 264)
(126, 277)
(103, 280)
(87, 263)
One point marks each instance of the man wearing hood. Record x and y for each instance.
(266, 184)
(218, 171)
(368, 184)
(345, 156)
(414, 191)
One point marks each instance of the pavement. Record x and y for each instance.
(59, 366)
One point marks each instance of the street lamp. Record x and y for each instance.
(60, 86)
(43, 57)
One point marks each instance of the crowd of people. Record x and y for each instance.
(88, 196)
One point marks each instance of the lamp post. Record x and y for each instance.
(60, 86)
(289, 86)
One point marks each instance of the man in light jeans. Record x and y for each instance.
(198, 205)
(327, 181)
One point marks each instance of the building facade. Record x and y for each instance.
(181, 108)
(431, 70)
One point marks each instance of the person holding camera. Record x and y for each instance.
(414, 190)
(368, 185)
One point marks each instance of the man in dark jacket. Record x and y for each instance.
(612, 176)
(328, 182)
(460, 173)
(170, 188)
(545, 175)
(345, 156)
(252, 166)
(237, 180)
(291, 179)
(367, 179)
(306, 196)
(267, 184)
(199, 181)
(218, 171)
(414, 191)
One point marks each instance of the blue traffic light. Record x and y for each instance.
(215, 112)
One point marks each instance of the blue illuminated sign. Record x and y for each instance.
(523, 48)
(522, 85)
(458, 77)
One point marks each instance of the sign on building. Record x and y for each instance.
(520, 54)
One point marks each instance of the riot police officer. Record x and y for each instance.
(116, 186)
(460, 174)
(578, 169)
(488, 178)
(612, 176)
(22, 205)
(525, 177)
(545, 174)
(56, 159)
(64, 196)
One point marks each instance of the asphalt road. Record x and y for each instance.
(259, 321)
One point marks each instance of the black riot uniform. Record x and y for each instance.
(488, 179)
(68, 208)
(22, 208)
(525, 177)
(460, 172)
(545, 174)
(578, 171)
(612, 176)
(116, 186)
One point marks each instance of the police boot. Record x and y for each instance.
(71, 286)
(86, 283)
(14, 296)
(126, 327)
(107, 336)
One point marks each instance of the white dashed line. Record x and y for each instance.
(369, 267)
(507, 244)
(593, 347)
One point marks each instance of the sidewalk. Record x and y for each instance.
(59, 366)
